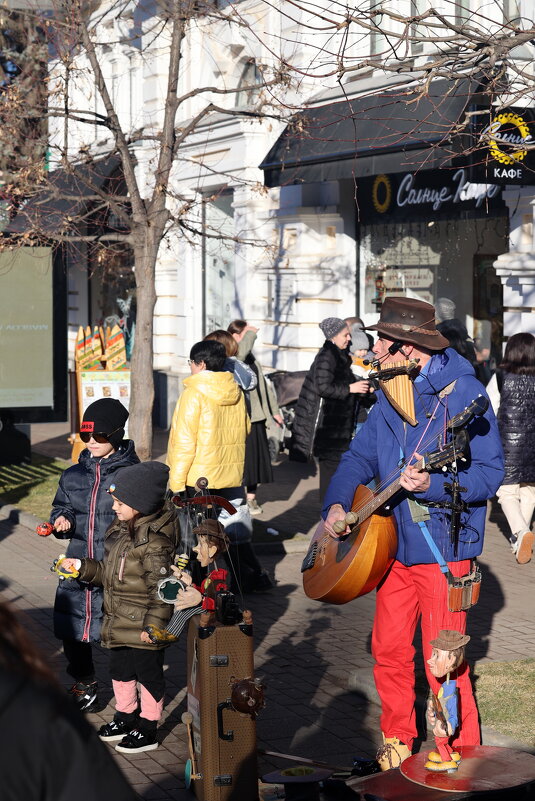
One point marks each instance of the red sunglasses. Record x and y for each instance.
(101, 437)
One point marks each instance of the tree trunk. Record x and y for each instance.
(146, 244)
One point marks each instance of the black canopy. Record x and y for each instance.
(366, 135)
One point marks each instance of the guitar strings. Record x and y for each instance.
(396, 473)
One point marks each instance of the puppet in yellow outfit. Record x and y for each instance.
(210, 424)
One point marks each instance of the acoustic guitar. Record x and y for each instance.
(339, 570)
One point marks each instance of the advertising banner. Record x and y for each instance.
(26, 328)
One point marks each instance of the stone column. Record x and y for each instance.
(517, 267)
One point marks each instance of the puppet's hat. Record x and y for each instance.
(450, 640)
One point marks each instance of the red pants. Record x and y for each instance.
(406, 594)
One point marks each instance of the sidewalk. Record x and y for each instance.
(314, 659)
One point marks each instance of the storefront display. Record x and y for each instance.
(427, 235)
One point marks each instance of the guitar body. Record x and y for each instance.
(337, 571)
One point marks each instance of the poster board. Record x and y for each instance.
(95, 384)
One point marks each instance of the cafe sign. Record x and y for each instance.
(504, 146)
(425, 193)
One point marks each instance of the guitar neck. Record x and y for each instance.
(382, 497)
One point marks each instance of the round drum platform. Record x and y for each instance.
(482, 768)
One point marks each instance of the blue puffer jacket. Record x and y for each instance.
(83, 499)
(384, 438)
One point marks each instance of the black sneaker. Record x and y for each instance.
(114, 730)
(136, 741)
(85, 696)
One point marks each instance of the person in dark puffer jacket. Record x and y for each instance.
(139, 552)
(50, 752)
(516, 421)
(325, 411)
(82, 511)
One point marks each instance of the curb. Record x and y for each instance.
(14, 515)
(361, 681)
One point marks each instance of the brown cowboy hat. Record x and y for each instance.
(448, 640)
(410, 320)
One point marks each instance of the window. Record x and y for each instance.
(417, 7)
(462, 11)
(511, 11)
(378, 41)
(250, 81)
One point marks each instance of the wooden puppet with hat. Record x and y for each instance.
(442, 709)
(190, 599)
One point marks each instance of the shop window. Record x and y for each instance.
(113, 290)
(427, 259)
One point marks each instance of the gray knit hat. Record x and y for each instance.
(332, 326)
(359, 340)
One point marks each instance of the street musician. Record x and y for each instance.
(440, 527)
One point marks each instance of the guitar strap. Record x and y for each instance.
(463, 591)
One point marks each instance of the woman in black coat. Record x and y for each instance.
(516, 421)
(325, 412)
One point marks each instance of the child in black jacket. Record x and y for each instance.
(82, 511)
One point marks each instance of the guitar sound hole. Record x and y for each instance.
(346, 542)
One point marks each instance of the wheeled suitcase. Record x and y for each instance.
(223, 740)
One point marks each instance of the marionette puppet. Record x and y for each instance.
(442, 709)
(188, 599)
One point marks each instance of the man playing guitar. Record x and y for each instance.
(428, 557)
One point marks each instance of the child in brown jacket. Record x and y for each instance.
(139, 550)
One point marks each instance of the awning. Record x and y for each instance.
(366, 135)
(65, 197)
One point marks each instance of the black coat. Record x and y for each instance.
(325, 412)
(516, 421)
(48, 749)
(82, 497)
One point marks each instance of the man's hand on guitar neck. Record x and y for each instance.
(414, 479)
(336, 512)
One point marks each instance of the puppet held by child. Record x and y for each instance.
(442, 709)
(192, 600)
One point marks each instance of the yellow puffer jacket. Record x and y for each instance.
(208, 431)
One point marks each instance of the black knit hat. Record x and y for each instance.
(141, 486)
(105, 416)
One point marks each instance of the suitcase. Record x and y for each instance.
(224, 740)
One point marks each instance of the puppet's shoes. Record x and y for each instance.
(442, 767)
(392, 753)
(158, 636)
(434, 756)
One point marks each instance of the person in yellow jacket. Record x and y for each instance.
(210, 424)
(208, 432)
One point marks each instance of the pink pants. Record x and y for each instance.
(404, 596)
(126, 700)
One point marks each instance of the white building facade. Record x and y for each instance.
(369, 198)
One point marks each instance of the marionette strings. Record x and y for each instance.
(231, 557)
